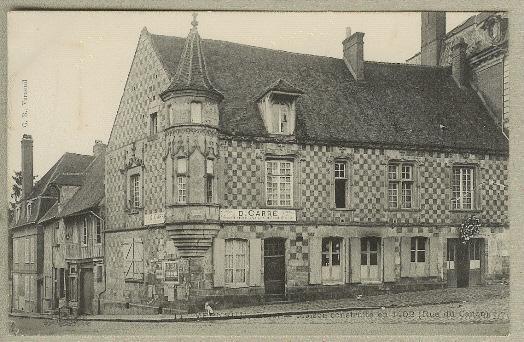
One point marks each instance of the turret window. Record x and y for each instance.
(196, 112)
(181, 180)
(209, 181)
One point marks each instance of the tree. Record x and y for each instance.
(16, 193)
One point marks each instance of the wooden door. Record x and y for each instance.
(275, 266)
(86, 291)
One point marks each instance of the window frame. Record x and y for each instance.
(331, 241)
(135, 200)
(235, 253)
(345, 179)
(416, 249)
(153, 123)
(98, 231)
(457, 203)
(400, 181)
(279, 176)
(209, 182)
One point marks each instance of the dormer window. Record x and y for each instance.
(277, 105)
(196, 112)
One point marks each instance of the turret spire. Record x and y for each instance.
(192, 73)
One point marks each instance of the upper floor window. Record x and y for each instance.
(282, 112)
(84, 231)
(279, 183)
(153, 123)
(340, 184)
(98, 231)
(209, 180)
(181, 180)
(196, 112)
(277, 105)
(463, 187)
(400, 185)
(29, 210)
(236, 261)
(134, 190)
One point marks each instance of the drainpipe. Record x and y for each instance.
(105, 278)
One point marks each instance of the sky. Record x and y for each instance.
(67, 70)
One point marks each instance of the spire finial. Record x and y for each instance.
(194, 22)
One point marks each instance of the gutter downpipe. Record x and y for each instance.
(105, 278)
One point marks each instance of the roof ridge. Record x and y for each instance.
(439, 67)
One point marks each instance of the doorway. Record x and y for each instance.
(465, 262)
(275, 266)
(369, 259)
(86, 291)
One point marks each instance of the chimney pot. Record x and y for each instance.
(27, 164)
(353, 48)
(433, 32)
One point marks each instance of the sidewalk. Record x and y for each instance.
(431, 297)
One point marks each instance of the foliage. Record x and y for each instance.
(469, 228)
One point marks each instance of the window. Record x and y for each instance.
(153, 126)
(400, 185)
(26, 250)
(134, 191)
(340, 184)
(279, 183)
(84, 232)
(331, 270)
(99, 272)
(462, 187)
(282, 116)
(196, 112)
(209, 181)
(235, 261)
(474, 249)
(418, 249)
(181, 188)
(98, 231)
(29, 207)
(133, 259)
(369, 251)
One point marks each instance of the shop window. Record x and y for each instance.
(236, 261)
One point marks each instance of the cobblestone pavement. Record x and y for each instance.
(481, 311)
(447, 295)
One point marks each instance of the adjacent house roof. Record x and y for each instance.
(397, 105)
(92, 191)
(66, 171)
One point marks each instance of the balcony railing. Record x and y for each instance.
(79, 251)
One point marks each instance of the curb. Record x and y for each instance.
(221, 317)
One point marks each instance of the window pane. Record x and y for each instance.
(340, 193)
(325, 245)
(413, 256)
(407, 194)
(363, 244)
(421, 256)
(325, 259)
(340, 170)
(392, 172)
(336, 246)
(363, 259)
(373, 244)
(335, 259)
(393, 194)
(373, 258)
(406, 172)
(413, 244)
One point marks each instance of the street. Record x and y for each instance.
(488, 317)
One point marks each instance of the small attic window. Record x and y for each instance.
(277, 106)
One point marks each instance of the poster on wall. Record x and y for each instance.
(171, 271)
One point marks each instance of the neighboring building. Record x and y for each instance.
(73, 243)
(26, 233)
(483, 39)
(236, 174)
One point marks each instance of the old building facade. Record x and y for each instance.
(241, 174)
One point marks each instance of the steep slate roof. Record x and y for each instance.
(92, 191)
(398, 105)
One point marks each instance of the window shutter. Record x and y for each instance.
(355, 259)
(315, 260)
(347, 259)
(435, 254)
(405, 256)
(127, 253)
(389, 259)
(138, 260)
(219, 250)
(255, 262)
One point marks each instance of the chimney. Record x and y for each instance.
(458, 62)
(433, 32)
(27, 165)
(353, 47)
(98, 148)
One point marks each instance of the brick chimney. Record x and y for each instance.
(98, 148)
(459, 67)
(353, 47)
(27, 165)
(433, 32)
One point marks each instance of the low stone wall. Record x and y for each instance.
(120, 308)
